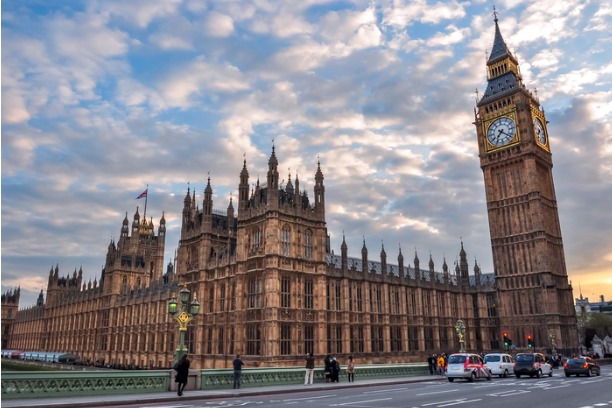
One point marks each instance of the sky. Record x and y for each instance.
(101, 99)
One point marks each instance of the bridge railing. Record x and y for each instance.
(36, 384)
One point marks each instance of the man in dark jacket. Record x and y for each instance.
(182, 373)
(237, 370)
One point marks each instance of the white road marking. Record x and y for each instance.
(385, 391)
(443, 402)
(307, 398)
(438, 392)
(460, 402)
(343, 404)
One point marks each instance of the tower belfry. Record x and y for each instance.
(535, 297)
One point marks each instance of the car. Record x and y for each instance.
(468, 366)
(581, 365)
(532, 364)
(499, 363)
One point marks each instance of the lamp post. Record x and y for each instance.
(189, 308)
(460, 330)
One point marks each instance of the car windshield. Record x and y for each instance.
(492, 359)
(524, 358)
(453, 359)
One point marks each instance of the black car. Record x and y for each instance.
(581, 365)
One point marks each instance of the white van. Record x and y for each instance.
(499, 363)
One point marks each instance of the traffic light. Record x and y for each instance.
(506, 340)
(529, 341)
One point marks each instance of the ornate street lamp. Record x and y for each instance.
(460, 330)
(188, 310)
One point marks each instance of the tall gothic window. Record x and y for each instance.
(253, 340)
(285, 291)
(222, 297)
(308, 244)
(309, 338)
(359, 299)
(254, 293)
(286, 241)
(396, 338)
(413, 338)
(285, 339)
(308, 294)
(211, 300)
(377, 339)
(256, 239)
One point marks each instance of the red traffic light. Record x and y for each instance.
(528, 337)
(505, 334)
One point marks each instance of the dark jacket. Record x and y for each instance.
(182, 371)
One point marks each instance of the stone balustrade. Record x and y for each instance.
(35, 384)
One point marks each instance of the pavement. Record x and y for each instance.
(189, 395)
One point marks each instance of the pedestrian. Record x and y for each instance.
(350, 369)
(431, 362)
(328, 364)
(440, 363)
(237, 370)
(335, 370)
(310, 365)
(182, 373)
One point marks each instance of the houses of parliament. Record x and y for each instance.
(271, 288)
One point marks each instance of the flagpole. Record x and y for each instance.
(146, 198)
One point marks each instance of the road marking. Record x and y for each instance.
(308, 398)
(460, 402)
(358, 402)
(438, 392)
(443, 402)
(392, 389)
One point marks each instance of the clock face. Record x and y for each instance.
(540, 133)
(501, 131)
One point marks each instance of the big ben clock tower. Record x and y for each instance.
(534, 295)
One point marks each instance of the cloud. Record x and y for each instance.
(100, 101)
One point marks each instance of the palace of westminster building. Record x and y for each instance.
(271, 289)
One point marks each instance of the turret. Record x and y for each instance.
(344, 254)
(383, 260)
(208, 203)
(272, 180)
(243, 189)
(136, 222)
(364, 257)
(400, 263)
(417, 269)
(432, 273)
(319, 191)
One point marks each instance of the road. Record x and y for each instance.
(557, 391)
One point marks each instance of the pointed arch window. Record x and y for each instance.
(308, 244)
(286, 241)
(256, 239)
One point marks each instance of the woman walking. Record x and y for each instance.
(350, 369)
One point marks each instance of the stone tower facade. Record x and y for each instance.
(515, 157)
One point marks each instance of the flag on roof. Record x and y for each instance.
(143, 194)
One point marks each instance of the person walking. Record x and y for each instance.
(440, 365)
(350, 369)
(431, 362)
(335, 370)
(237, 370)
(310, 365)
(182, 373)
(328, 364)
